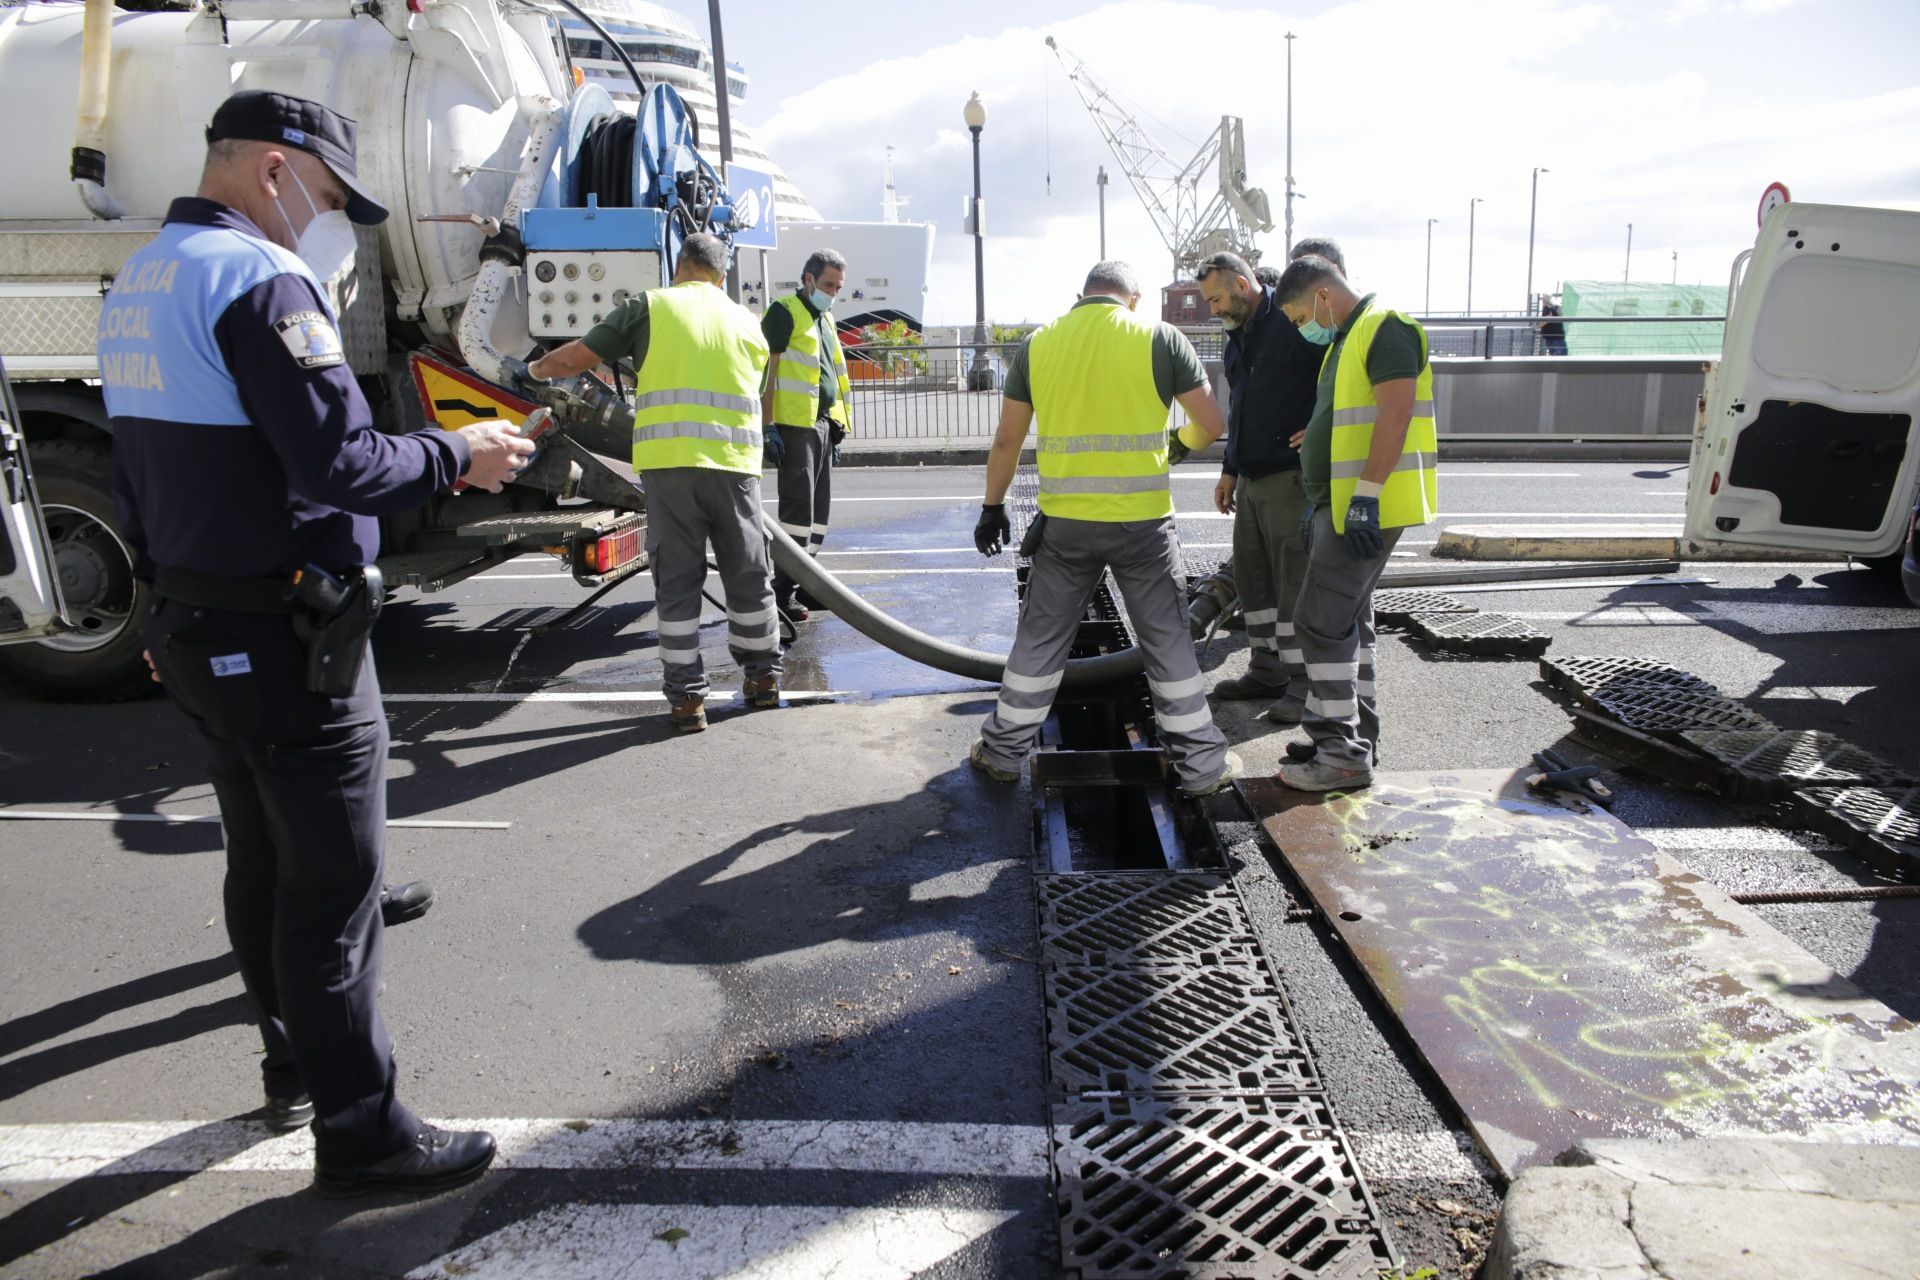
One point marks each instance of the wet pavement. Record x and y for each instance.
(816, 916)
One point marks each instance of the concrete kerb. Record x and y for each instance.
(1705, 1209)
(1597, 542)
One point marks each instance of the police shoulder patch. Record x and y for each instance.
(311, 339)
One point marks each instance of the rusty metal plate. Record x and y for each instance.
(1565, 979)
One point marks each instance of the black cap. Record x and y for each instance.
(260, 115)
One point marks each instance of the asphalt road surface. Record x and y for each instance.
(764, 1001)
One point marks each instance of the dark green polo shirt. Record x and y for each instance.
(1397, 352)
(1176, 365)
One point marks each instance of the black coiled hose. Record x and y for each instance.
(605, 171)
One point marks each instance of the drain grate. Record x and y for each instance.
(1395, 609)
(1486, 635)
(1881, 825)
(1139, 920)
(1583, 677)
(1217, 1029)
(1668, 710)
(1765, 765)
(1236, 1187)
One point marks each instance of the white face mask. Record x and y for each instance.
(327, 245)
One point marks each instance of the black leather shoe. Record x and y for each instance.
(400, 903)
(437, 1160)
(284, 1115)
(806, 600)
(795, 611)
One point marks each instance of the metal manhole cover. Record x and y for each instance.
(1670, 709)
(1396, 608)
(1481, 634)
(1882, 825)
(1238, 1187)
(1129, 920)
(1585, 676)
(1220, 1028)
(1766, 765)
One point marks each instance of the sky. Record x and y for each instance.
(1672, 116)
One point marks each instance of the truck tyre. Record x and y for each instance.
(101, 660)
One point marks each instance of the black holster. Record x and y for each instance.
(334, 622)
(1036, 534)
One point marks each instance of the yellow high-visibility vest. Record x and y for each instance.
(697, 396)
(796, 373)
(1411, 494)
(1102, 448)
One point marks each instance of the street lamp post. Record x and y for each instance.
(1626, 274)
(1101, 181)
(979, 376)
(1472, 207)
(1533, 209)
(1429, 304)
(1676, 266)
(1289, 199)
(726, 125)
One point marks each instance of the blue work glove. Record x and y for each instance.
(1306, 529)
(519, 379)
(1363, 529)
(773, 445)
(994, 530)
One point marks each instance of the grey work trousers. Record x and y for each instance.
(1269, 564)
(688, 507)
(1333, 619)
(1145, 557)
(806, 494)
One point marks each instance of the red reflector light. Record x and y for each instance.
(614, 550)
(416, 6)
(1714, 487)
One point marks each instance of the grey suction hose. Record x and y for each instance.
(972, 664)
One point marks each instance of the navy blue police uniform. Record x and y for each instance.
(245, 454)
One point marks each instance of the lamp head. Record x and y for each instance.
(975, 113)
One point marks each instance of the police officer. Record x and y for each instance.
(804, 410)
(247, 472)
(1101, 379)
(698, 358)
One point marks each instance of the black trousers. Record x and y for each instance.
(806, 495)
(301, 781)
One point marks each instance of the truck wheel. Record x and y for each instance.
(100, 661)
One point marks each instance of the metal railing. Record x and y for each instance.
(1485, 337)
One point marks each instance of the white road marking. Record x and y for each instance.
(58, 1152)
(637, 695)
(708, 1242)
(1768, 619)
(850, 573)
(1563, 584)
(1750, 839)
(1436, 1153)
(180, 819)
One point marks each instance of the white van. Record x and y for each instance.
(1806, 436)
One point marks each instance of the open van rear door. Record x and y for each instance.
(1807, 439)
(30, 604)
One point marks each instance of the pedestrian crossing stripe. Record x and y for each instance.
(453, 397)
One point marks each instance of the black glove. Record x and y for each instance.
(835, 434)
(1177, 450)
(1363, 529)
(1306, 529)
(994, 530)
(773, 445)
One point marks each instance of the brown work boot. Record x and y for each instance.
(690, 714)
(762, 691)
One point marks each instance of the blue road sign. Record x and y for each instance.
(752, 192)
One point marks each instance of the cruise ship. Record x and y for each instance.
(888, 261)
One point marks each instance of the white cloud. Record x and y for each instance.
(1425, 107)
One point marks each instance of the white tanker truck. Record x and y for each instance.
(524, 207)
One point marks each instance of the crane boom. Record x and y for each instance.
(1233, 212)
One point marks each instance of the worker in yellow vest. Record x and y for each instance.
(804, 410)
(1100, 381)
(1368, 465)
(698, 359)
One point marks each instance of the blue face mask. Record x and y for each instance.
(821, 301)
(1315, 332)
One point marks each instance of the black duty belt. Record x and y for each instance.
(242, 595)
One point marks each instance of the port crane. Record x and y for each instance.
(1233, 213)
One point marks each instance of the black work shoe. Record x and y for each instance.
(436, 1160)
(803, 598)
(1301, 750)
(284, 1115)
(400, 903)
(795, 611)
(1248, 686)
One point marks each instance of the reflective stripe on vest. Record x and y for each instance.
(1102, 449)
(1411, 494)
(697, 401)
(796, 374)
